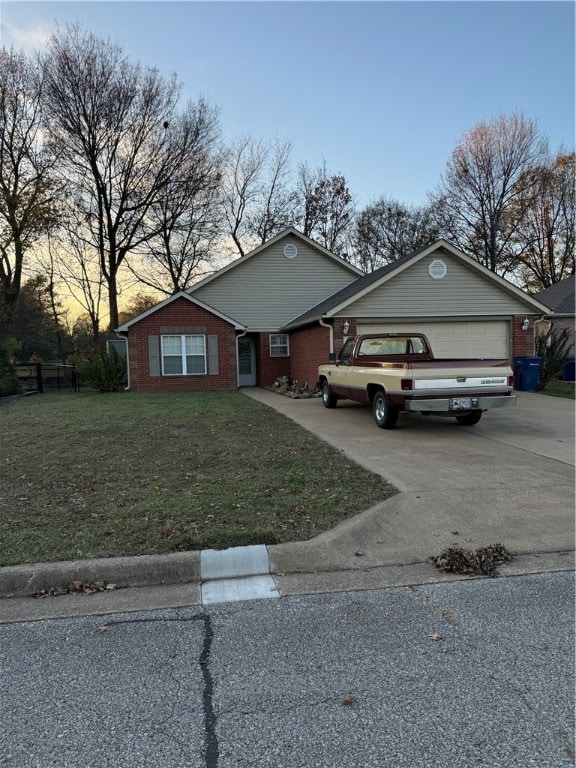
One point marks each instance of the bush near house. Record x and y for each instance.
(9, 384)
(104, 369)
(553, 347)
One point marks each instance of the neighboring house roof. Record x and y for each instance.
(180, 295)
(339, 301)
(288, 231)
(560, 297)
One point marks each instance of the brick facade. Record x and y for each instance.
(310, 347)
(181, 316)
(269, 368)
(523, 341)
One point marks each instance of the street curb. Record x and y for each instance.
(139, 571)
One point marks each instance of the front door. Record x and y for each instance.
(246, 362)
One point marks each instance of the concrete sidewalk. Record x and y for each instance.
(509, 479)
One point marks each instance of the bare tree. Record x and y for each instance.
(139, 303)
(258, 199)
(386, 230)
(277, 206)
(184, 220)
(484, 176)
(327, 210)
(108, 117)
(245, 160)
(28, 191)
(78, 266)
(47, 259)
(545, 233)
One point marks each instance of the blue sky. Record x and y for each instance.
(380, 91)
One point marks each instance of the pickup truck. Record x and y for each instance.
(397, 372)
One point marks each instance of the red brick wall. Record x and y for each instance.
(522, 341)
(180, 314)
(339, 334)
(310, 347)
(270, 368)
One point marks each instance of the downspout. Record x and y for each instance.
(331, 329)
(238, 358)
(125, 336)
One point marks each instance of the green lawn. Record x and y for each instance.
(558, 388)
(91, 475)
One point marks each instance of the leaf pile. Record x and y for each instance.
(76, 588)
(483, 561)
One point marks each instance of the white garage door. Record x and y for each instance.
(487, 339)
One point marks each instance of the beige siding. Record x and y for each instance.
(463, 291)
(466, 339)
(268, 289)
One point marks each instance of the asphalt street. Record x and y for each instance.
(460, 675)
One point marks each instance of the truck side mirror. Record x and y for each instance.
(332, 357)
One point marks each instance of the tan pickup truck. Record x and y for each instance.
(397, 372)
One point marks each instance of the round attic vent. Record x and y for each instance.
(290, 251)
(437, 269)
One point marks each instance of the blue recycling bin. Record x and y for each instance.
(569, 370)
(527, 373)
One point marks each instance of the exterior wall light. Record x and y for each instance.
(346, 328)
(526, 324)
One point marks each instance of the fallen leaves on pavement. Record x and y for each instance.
(76, 588)
(483, 561)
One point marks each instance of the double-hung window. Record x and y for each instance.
(279, 345)
(183, 355)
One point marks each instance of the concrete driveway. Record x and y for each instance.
(508, 479)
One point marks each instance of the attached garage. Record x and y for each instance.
(455, 338)
(464, 309)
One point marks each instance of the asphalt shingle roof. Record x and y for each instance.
(559, 297)
(348, 292)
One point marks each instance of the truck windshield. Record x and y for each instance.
(398, 345)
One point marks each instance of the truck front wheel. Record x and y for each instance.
(469, 419)
(385, 415)
(329, 400)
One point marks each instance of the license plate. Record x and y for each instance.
(459, 403)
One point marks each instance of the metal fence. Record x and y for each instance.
(48, 377)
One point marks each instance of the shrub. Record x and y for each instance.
(105, 370)
(9, 384)
(553, 348)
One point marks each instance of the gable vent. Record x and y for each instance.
(290, 251)
(437, 269)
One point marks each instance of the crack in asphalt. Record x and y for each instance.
(211, 746)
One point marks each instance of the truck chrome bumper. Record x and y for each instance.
(444, 405)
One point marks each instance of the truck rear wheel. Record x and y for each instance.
(329, 400)
(385, 415)
(469, 419)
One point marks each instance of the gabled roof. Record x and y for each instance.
(337, 303)
(180, 295)
(560, 297)
(288, 231)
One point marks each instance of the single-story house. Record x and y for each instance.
(282, 308)
(560, 297)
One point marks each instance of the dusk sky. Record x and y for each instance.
(380, 91)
